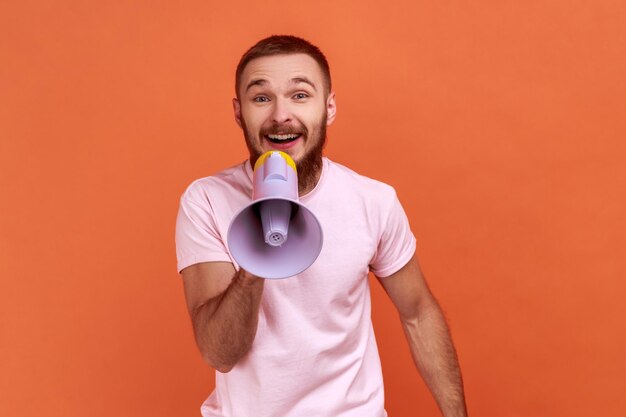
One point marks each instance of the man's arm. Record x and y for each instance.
(224, 309)
(428, 336)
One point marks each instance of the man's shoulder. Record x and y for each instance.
(359, 182)
(227, 180)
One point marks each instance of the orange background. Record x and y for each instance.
(501, 125)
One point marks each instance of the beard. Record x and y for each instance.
(309, 165)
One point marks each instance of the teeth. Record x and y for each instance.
(282, 137)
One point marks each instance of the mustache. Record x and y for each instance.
(284, 130)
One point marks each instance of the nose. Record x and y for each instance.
(281, 112)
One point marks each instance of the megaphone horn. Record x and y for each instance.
(275, 236)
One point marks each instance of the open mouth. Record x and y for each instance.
(283, 139)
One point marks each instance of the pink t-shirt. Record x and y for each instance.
(314, 353)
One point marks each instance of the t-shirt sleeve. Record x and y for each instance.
(197, 236)
(397, 243)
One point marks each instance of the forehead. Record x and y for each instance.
(280, 69)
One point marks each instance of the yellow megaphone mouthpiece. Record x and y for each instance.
(263, 158)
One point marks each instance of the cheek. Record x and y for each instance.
(252, 121)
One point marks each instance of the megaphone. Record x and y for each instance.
(275, 236)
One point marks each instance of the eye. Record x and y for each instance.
(301, 96)
(260, 99)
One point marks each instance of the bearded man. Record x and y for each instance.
(304, 346)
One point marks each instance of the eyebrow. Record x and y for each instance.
(298, 80)
(257, 81)
(295, 80)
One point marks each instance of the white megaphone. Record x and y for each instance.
(275, 236)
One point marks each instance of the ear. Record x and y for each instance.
(331, 109)
(237, 111)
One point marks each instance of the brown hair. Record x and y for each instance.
(282, 45)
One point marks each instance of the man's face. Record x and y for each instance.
(283, 105)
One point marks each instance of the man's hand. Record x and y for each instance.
(224, 309)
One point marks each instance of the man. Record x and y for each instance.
(304, 346)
